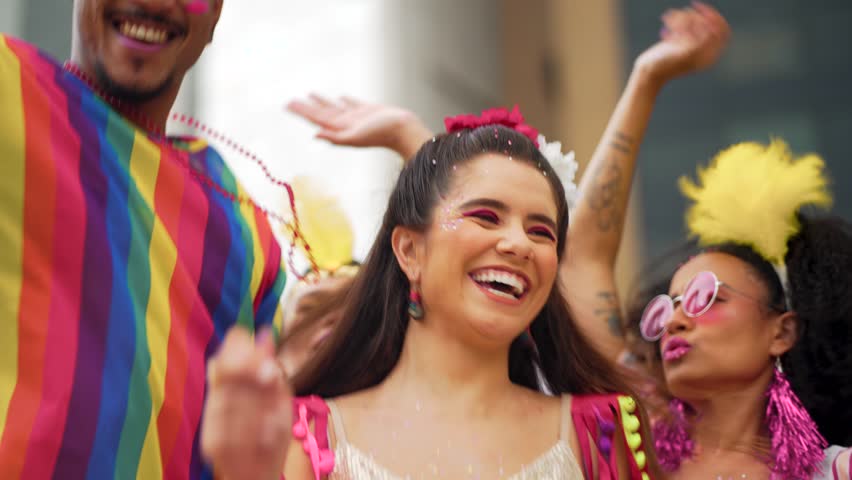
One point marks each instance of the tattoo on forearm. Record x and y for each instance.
(608, 189)
(605, 193)
(610, 311)
(623, 143)
(624, 138)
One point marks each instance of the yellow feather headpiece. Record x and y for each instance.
(324, 226)
(750, 194)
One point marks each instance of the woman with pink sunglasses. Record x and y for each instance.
(753, 334)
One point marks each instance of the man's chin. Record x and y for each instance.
(128, 91)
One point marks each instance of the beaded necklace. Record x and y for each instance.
(157, 135)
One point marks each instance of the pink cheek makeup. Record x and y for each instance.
(198, 7)
(713, 316)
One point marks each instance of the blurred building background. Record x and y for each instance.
(787, 73)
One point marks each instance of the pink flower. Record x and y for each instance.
(493, 116)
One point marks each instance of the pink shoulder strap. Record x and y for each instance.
(315, 444)
(595, 419)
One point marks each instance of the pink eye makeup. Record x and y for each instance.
(543, 231)
(482, 214)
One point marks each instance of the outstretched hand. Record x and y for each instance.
(247, 421)
(355, 123)
(691, 40)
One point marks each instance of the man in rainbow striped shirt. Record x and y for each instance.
(125, 254)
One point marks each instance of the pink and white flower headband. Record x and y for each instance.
(563, 164)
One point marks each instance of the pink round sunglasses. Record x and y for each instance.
(697, 298)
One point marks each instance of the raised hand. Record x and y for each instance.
(691, 40)
(355, 123)
(247, 421)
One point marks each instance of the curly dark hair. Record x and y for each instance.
(819, 366)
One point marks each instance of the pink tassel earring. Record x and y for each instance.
(671, 438)
(797, 446)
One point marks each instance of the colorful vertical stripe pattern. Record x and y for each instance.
(120, 274)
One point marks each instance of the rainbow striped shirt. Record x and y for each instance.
(120, 273)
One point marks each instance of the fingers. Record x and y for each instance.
(244, 435)
(716, 20)
(248, 411)
(234, 358)
(351, 101)
(265, 341)
(330, 115)
(322, 101)
(691, 22)
(244, 360)
(317, 109)
(332, 136)
(312, 112)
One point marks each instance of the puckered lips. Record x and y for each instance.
(675, 348)
(501, 284)
(145, 32)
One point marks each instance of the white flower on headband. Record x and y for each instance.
(564, 165)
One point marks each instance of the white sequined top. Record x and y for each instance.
(557, 463)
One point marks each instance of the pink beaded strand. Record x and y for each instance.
(157, 135)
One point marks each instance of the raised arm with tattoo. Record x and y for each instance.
(692, 39)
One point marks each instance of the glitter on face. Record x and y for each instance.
(450, 217)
